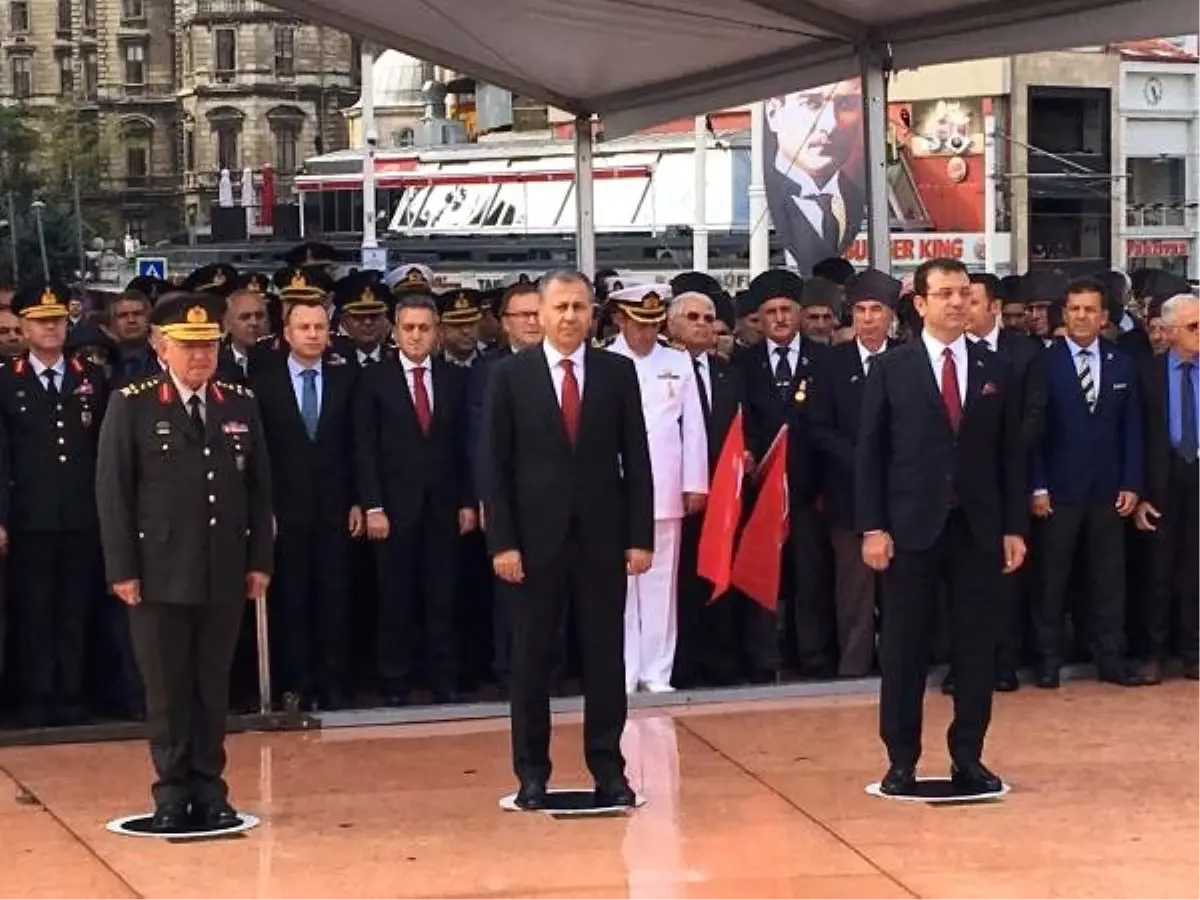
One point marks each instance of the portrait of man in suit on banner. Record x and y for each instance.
(813, 167)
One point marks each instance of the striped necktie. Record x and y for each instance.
(1087, 384)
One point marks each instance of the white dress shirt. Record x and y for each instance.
(554, 358)
(408, 366)
(793, 354)
(39, 369)
(958, 348)
(1093, 360)
(185, 397)
(374, 356)
(297, 369)
(675, 431)
(992, 338)
(865, 353)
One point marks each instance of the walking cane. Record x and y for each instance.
(264, 656)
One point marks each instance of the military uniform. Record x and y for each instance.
(183, 487)
(678, 443)
(52, 419)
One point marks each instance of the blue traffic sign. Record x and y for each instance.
(152, 267)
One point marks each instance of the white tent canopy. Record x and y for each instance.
(641, 62)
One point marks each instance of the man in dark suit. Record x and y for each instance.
(183, 490)
(569, 504)
(52, 407)
(778, 375)
(1168, 511)
(245, 325)
(813, 174)
(307, 413)
(1087, 476)
(1025, 354)
(836, 415)
(939, 477)
(415, 485)
(707, 653)
(516, 308)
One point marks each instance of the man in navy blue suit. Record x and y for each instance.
(1087, 477)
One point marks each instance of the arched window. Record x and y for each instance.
(287, 124)
(225, 123)
(137, 136)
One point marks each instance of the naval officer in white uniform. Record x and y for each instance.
(679, 462)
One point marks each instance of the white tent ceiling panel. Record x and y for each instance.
(641, 62)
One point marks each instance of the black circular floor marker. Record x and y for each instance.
(139, 826)
(570, 802)
(937, 790)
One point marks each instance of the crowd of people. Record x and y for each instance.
(388, 585)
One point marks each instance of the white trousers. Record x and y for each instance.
(650, 618)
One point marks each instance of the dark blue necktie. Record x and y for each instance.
(308, 402)
(1187, 414)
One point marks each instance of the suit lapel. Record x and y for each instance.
(1107, 360)
(976, 377)
(924, 375)
(590, 392)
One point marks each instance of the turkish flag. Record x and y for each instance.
(714, 560)
(757, 561)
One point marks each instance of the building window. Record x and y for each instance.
(402, 138)
(356, 61)
(18, 15)
(285, 148)
(135, 64)
(225, 46)
(64, 16)
(89, 14)
(227, 147)
(137, 165)
(285, 52)
(66, 75)
(136, 229)
(22, 77)
(91, 75)
(132, 9)
(189, 147)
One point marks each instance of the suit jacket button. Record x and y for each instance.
(212, 522)
(207, 452)
(142, 535)
(212, 498)
(62, 459)
(210, 476)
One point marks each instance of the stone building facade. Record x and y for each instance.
(167, 92)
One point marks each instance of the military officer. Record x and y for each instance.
(678, 441)
(461, 311)
(184, 496)
(291, 283)
(52, 407)
(364, 306)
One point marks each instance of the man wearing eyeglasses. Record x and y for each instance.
(707, 650)
(939, 498)
(1169, 510)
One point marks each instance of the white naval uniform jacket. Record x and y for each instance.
(674, 426)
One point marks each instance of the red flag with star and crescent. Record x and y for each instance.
(714, 561)
(756, 564)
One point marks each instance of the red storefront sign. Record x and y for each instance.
(1145, 248)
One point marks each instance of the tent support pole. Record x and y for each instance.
(760, 226)
(585, 223)
(700, 190)
(370, 140)
(874, 98)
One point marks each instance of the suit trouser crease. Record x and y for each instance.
(596, 587)
(54, 577)
(310, 634)
(185, 654)
(1098, 524)
(651, 613)
(854, 604)
(1174, 574)
(910, 601)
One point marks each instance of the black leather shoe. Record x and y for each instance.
(1191, 671)
(1007, 682)
(218, 816)
(1120, 674)
(169, 817)
(898, 781)
(532, 795)
(618, 793)
(975, 778)
(1048, 677)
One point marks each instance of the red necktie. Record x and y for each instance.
(950, 396)
(570, 400)
(421, 399)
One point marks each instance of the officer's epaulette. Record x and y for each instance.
(134, 388)
(240, 389)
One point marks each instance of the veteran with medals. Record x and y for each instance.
(184, 499)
